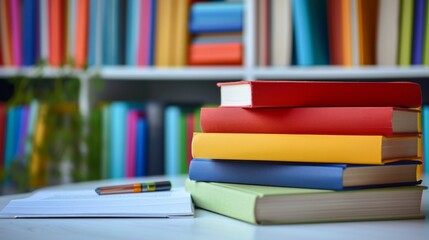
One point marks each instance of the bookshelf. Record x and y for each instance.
(187, 84)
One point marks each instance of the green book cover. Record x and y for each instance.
(105, 138)
(277, 205)
(426, 38)
(95, 144)
(406, 32)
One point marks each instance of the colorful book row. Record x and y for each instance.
(342, 32)
(102, 33)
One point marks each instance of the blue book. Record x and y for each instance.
(215, 27)
(10, 137)
(172, 140)
(216, 17)
(118, 120)
(310, 32)
(418, 32)
(110, 45)
(132, 32)
(425, 133)
(317, 176)
(18, 115)
(92, 33)
(215, 9)
(30, 31)
(141, 148)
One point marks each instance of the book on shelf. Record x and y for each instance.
(220, 53)
(216, 17)
(263, 33)
(3, 119)
(387, 32)
(259, 93)
(406, 33)
(386, 121)
(310, 32)
(306, 147)
(281, 35)
(426, 38)
(305, 175)
(418, 32)
(178, 137)
(279, 205)
(141, 162)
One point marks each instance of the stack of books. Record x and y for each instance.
(294, 152)
(216, 29)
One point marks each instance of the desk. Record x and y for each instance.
(205, 225)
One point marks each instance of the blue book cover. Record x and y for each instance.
(425, 133)
(92, 33)
(30, 31)
(18, 115)
(318, 176)
(152, 33)
(132, 32)
(118, 120)
(215, 9)
(110, 55)
(172, 140)
(310, 32)
(418, 32)
(216, 17)
(10, 137)
(142, 147)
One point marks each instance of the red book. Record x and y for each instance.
(57, 33)
(253, 94)
(386, 121)
(216, 54)
(335, 32)
(82, 13)
(190, 118)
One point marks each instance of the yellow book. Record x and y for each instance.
(181, 36)
(163, 38)
(38, 161)
(350, 149)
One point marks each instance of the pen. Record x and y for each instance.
(135, 188)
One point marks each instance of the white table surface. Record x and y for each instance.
(204, 225)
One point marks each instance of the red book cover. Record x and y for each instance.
(190, 118)
(3, 110)
(216, 54)
(253, 94)
(386, 121)
(57, 51)
(82, 33)
(335, 32)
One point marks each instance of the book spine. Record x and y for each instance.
(340, 121)
(235, 204)
(280, 174)
(292, 148)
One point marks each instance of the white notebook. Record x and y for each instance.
(87, 203)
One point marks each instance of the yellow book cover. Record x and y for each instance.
(38, 161)
(163, 37)
(350, 149)
(346, 33)
(181, 33)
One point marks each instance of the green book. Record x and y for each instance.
(426, 38)
(278, 205)
(406, 32)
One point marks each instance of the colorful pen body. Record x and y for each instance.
(135, 188)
